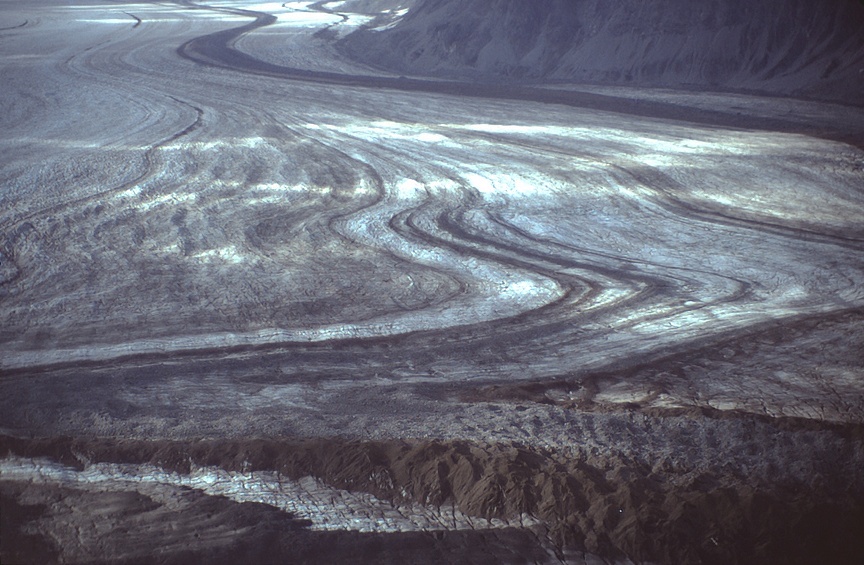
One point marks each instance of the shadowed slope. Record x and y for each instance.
(780, 46)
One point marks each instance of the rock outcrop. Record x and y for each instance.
(790, 47)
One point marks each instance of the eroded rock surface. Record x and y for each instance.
(780, 46)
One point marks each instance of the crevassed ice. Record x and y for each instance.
(327, 508)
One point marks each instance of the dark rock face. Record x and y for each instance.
(813, 49)
(656, 511)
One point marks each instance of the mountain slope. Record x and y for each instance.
(799, 47)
